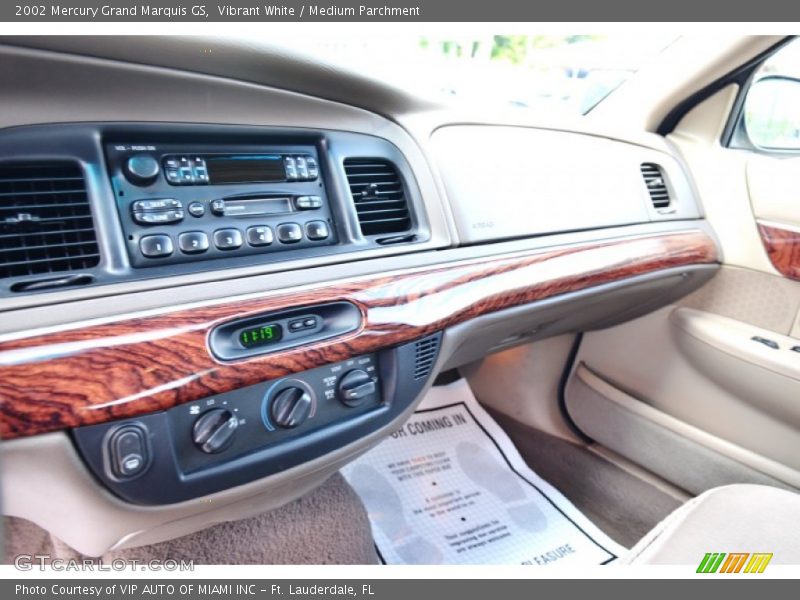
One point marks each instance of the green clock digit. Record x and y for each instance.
(260, 335)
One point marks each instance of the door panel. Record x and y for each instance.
(687, 391)
(685, 455)
(754, 364)
(647, 360)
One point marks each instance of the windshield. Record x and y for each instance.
(570, 73)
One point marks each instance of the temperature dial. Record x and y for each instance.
(214, 430)
(291, 407)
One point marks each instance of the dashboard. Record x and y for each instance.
(215, 293)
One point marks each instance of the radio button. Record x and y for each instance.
(156, 246)
(308, 202)
(193, 242)
(228, 239)
(186, 175)
(162, 217)
(291, 168)
(317, 230)
(302, 170)
(157, 204)
(218, 207)
(313, 169)
(289, 233)
(173, 175)
(260, 235)
(199, 170)
(196, 209)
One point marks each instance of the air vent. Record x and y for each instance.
(425, 351)
(45, 220)
(656, 185)
(379, 196)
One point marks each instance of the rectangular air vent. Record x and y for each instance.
(656, 185)
(378, 195)
(425, 351)
(45, 220)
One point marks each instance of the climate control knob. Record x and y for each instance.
(214, 430)
(355, 386)
(291, 407)
(141, 169)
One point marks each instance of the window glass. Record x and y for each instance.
(570, 73)
(772, 106)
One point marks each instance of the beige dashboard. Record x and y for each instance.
(517, 215)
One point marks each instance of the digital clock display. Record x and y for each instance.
(262, 335)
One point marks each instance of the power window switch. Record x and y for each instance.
(767, 342)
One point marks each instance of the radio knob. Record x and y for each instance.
(355, 386)
(291, 407)
(141, 169)
(213, 431)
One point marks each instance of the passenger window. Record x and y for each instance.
(771, 117)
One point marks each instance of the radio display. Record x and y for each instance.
(245, 168)
(263, 335)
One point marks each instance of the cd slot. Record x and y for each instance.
(257, 206)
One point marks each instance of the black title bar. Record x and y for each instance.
(400, 11)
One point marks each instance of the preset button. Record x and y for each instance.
(193, 242)
(228, 239)
(259, 235)
(289, 233)
(156, 246)
(317, 230)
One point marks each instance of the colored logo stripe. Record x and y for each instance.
(721, 562)
(711, 562)
(758, 563)
(734, 562)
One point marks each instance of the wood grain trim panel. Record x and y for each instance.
(113, 370)
(783, 249)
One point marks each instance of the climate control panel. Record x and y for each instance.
(224, 440)
(223, 427)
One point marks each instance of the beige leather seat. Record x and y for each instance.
(733, 518)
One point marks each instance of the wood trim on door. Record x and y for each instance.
(783, 248)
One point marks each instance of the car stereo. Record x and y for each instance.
(183, 203)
